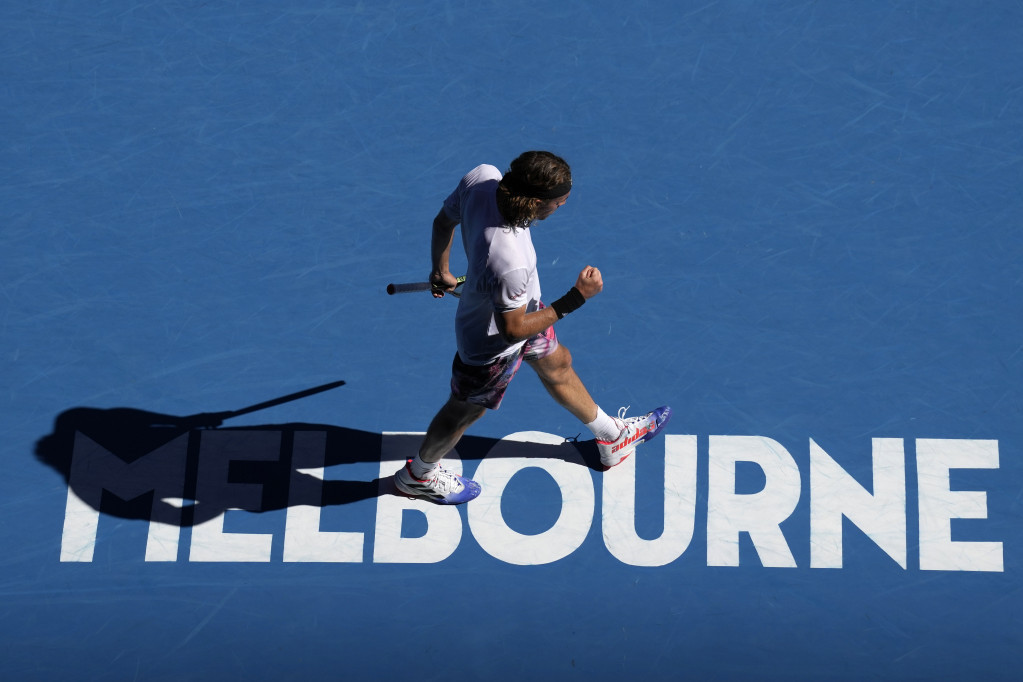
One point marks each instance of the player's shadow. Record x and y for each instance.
(136, 464)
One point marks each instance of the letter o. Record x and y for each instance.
(577, 502)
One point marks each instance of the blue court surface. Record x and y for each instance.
(807, 217)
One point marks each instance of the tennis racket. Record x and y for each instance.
(409, 287)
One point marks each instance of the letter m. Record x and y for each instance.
(94, 470)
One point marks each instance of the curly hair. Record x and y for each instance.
(537, 169)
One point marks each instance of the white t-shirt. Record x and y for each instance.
(501, 273)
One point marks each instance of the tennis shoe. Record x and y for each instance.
(635, 430)
(442, 486)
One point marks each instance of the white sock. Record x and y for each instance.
(604, 428)
(421, 469)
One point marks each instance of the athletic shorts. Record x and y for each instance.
(484, 385)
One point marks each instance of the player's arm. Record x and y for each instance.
(440, 253)
(518, 325)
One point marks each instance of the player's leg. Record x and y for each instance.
(422, 476)
(474, 390)
(448, 427)
(561, 381)
(616, 437)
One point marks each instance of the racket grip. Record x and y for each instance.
(408, 288)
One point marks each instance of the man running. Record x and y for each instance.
(501, 321)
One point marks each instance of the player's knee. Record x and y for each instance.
(461, 413)
(564, 359)
(555, 366)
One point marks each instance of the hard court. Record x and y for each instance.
(807, 219)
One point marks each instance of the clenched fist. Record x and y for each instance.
(589, 283)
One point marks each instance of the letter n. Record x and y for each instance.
(835, 495)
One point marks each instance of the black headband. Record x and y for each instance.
(524, 189)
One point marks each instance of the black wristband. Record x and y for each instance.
(571, 301)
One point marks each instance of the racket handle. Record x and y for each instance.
(408, 288)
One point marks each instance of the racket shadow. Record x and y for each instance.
(137, 464)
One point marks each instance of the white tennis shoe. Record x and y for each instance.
(635, 430)
(442, 486)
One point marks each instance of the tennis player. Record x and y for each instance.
(501, 321)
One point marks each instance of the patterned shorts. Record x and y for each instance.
(484, 385)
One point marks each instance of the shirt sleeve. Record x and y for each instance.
(512, 290)
(453, 204)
